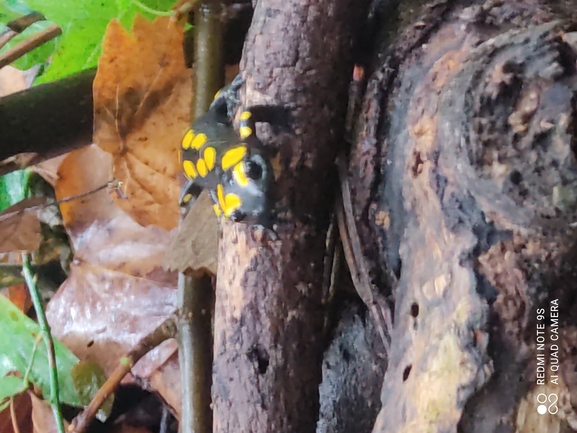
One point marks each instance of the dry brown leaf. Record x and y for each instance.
(117, 291)
(197, 240)
(20, 226)
(142, 94)
(48, 169)
(19, 295)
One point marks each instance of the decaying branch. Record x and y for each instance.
(269, 316)
(464, 169)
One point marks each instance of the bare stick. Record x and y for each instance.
(18, 26)
(13, 416)
(112, 184)
(354, 257)
(167, 329)
(7, 37)
(29, 44)
(22, 23)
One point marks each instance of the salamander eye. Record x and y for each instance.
(237, 216)
(253, 170)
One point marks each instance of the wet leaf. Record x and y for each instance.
(117, 291)
(142, 93)
(88, 377)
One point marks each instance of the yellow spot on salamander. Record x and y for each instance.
(216, 209)
(240, 175)
(187, 139)
(245, 131)
(217, 93)
(186, 198)
(189, 170)
(201, 167)
(226, 204)
(245, 115)
(232, 202)
(232, 157)
(198, 141)
(209, 155)
(220, 195)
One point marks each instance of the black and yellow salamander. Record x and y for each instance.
(231, 164)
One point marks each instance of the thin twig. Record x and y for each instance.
(39, 338)
(15, 427)
(183, 9)
(6, 37)
(22, 23)
(47, 337)
(152, 11)
(330, 272)
(167, 329)
(354, 256)
(112, 183)
(18, 25)
(84, 194)
(164, 419)
(29, 44)
(195, 301)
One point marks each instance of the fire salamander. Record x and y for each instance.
(231, 165)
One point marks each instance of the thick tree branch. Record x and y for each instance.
(49, 119)
(269, 317)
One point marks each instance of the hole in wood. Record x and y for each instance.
(346, 355)
(259, 356)
(516, 177)
(417, 168)
(414, 309)
(406, 372)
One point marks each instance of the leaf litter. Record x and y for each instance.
(117, 291)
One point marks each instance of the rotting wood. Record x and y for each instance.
(464, 170)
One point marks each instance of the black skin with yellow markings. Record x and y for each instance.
(232, 165)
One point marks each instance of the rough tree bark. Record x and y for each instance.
(269, 312)
(465, 175)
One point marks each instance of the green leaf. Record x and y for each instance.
(18, 7)
(20, 342)
(9, 387)
(13, 187)
(83, 23)
(123, 6)
(88, 377)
